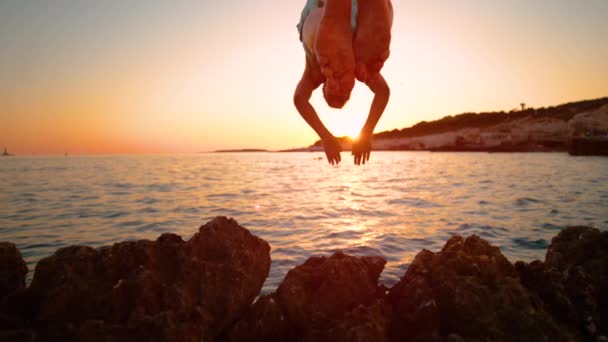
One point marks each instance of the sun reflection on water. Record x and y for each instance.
(394, 206)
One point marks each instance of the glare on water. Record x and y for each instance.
(398, 204)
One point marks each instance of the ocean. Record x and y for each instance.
(394, 206)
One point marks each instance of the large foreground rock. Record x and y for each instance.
(202, 290)
(324, 299)
(573, 280)
(12, 270)
(467, 291)
(164, 290)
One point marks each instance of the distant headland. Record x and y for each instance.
(241, 150)
(577, 127)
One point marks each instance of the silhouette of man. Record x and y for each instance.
(344, 40)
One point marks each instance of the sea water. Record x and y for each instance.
(394, 206)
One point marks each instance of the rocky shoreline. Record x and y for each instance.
(205, 289)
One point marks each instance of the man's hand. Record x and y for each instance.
(332, 150)
(361, 150)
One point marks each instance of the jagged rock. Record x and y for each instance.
(315, 300)
(12, 270)
(202, 290)
(572, 281)
(166, 290)
(468, 291)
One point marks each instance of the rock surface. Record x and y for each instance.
(573, 281)
(12, 270)
(164, 290)
(317, 301)
(470, 290)
(203, 289)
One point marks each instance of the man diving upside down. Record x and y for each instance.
(344, 40)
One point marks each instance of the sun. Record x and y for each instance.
(349, 120)
(346, 122)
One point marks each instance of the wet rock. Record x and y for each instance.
(572, 281)
(12, 270)
(317, 300)
(468, 290)
(168, 289)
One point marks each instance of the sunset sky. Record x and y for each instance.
(89, 76)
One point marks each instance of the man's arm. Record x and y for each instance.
(301, 100)
(362, 147)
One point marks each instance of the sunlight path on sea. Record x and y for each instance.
(398, 204)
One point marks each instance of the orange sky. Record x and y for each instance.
(188, 76)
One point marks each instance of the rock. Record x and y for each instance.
(168, 289)
(325, 289)
(315, 301)
(265, 321)
(468, 290)
(572, 281)
(202, 290)
(12, 284)
(364, 323)
(12, 270)
(596, 120)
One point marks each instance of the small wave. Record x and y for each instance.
(476, 212)
(147, 210)
(550, 226)
(187, 210)
(116, 214)
(363, 251)
(292, 251)
(227, 195)
(151, 227)
(484, 231)
(309, 217)
(161, 187)
(523, 201)
(531, 244)
(148, 200)
(119, 185)
(414, 202)
(129, 224)
(119, 193)
(345, 234)
(55, 244)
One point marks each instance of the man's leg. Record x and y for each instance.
(372, 37)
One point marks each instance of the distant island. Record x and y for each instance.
(580, 128)
(241, 150)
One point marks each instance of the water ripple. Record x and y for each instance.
(395, 206)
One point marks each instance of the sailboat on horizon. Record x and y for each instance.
(6, 154)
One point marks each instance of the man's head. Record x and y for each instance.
(337, 89)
